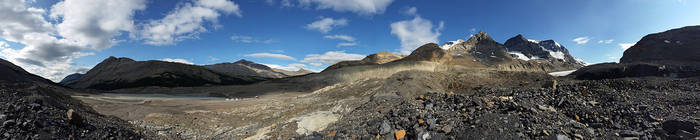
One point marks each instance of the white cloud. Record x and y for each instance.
(186, 21)
(288, 67)
(341, 37)
(361, 7)
(211, 58)
(330, 57)
(95, 23)
(270, 55)
(325, 25)
(581, 40)
(606, 41)
(346, 44)
(626, 46)
(416, 32)
(44, 51)
(177, 60)
(249, 39)
(411, 11)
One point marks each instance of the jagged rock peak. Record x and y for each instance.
(480, 36)
(115, 59)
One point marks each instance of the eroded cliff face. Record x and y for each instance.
(673, 47)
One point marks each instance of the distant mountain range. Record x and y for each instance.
(245, 67)
(481, 51)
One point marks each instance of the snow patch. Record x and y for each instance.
(520, 56)
(561, 73)
(533, 41)
(666, 41)
(450, 44)
(557, 54)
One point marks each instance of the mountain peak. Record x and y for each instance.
(481, 36)
(243, 61)
(115, 59)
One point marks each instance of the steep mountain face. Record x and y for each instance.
(526, 49)
(373, 59)
(428, 52)
(70, 78)
(115, 73)
(244, 67)
(14, 73)
(677, 47)
(481, 51)
(673, 53)
(485, 49)
(36, 108)
(293, 73)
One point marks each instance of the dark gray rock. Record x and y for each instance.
(630, 133)
(385, 128)
(672, 126)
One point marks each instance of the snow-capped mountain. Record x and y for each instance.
(529, 49)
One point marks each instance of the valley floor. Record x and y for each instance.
(645, 108)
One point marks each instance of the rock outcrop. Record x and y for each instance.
(36, 108)
(373, 59)
(673, 47)
(482, 52)
(245, 67)
(70, 78)
(673, 53)
(116, 73)
(13, 73)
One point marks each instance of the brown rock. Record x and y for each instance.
(400, 134)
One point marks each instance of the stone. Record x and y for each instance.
(385, 129)
(550, 84)
(73, 117)
(447, 129)
(562, 137)
(432, 124)
(546, 108)
(578, 136)
(595, 125)
(400, 134)
(685, 134)
(423, 135)
(8, 123)
(672, 126)
(630, 133)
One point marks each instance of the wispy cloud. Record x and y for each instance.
(330, 57)
(361, 7)
(341, 37)
(249, 39)
(325, 25)
(605, 41)
(177, 60)
(410, 11)
(346, 44)
(581, 40)
(270, 55)
(211, 58)
(626, 46)
(288, 67)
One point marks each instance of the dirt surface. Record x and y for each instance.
(456, 103)
(637, 108)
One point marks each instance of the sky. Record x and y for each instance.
(55, 38)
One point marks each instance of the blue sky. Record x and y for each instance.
(74, 35)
